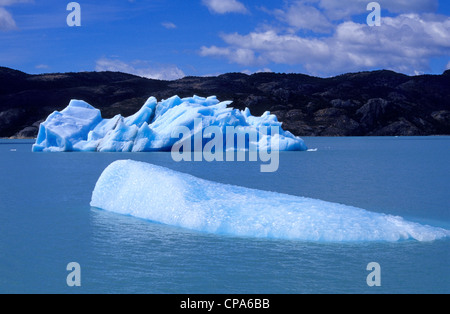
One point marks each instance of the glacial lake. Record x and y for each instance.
(46, 222)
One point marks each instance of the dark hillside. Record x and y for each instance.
(353, 104)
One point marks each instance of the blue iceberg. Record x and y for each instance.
(169, 197)
(62, 130)
(80, 127)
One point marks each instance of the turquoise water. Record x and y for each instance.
(46, 222)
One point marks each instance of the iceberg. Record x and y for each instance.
(169, 197)
(80, 127)
(63, 130)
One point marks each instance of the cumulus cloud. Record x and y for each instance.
(409, 6)
(225, 6)
(403, 43)
(259, 48)
(301, 16)
(344, 9)
(239, 55)
(140, 68)
(300, 13)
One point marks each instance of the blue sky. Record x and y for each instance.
(169, 39)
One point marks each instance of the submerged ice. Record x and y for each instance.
(165, 196)
(80, 127)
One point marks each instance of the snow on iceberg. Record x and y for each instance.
(80, 127)
(166, 196)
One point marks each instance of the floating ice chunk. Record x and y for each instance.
(165, 196)
(154, 127)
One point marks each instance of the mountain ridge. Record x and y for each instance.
(369, 103)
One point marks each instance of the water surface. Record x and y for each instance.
(46, 222)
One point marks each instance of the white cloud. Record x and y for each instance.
(345, 9)
(448, 66)
(237, 55)
(265, 47)
(169, 25)
(306, 17)
(225, 6)
(409, 6)
(42, 66)
(216, 51)
(404, 43)
(7, 22)
(140, 68)
(264, 70)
